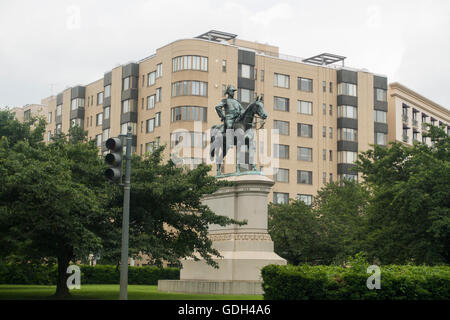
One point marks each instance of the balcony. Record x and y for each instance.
(405, 138)
(405, 118)
(424, 126)
(415, 123)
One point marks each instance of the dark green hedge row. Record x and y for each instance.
(100, 274)
(307, 282)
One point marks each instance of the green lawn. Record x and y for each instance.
(109, 292)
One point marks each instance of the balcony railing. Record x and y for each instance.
(405, 138)
(405, 117)
(415, 123)
(424, 126)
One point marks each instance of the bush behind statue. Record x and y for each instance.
(100, 274)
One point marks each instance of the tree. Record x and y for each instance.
(296, 233)
(56, 204)
(409, 213)
(167, 218)
(340, 208)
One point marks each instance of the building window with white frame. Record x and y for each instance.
(347, 112)
(281, 175)
(348, 157)
(281, 104)
(304, 107)
(347, 89)
(304, 154)
(151, 78)
(381, 94)
(150, 125)
(281, 80)
(98, 139)
(381, 138)
(304, 177)
(99, 119)
(282, 126)
(107, 91)
(280, 198)
(304, 130)
(304, 84)
(281, 151)
(380, 116)
(159, 70)
(347, 134)
(158, 95)
(100, 98)
(306, 198)
(151, 102)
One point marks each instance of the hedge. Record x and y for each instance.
(99, 274)
(398, 282)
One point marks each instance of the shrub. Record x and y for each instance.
(398, 282)
(100, 274)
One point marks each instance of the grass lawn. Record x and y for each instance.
(109, 292)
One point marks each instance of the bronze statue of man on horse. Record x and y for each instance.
(240, 123)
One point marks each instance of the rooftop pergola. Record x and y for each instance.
(214, 35)
(325, 59)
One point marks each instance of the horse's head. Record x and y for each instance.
(259, 108)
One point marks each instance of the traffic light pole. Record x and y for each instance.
(125, 221)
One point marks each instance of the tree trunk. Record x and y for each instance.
(62, 291)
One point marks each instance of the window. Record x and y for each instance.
(347, 112)
(304, 130)
(245, 71)
(347, 134)
(58, 128)
(158, 95)
(324, 109)
(106, 113)
(129, 83)
(331, 109)
(281, 151)
(129, 106)
(49, 118)
(380, 138)
(59, 110)
(282, 126)
(330, 130)
(380, 116)
(324, 154)
(331, 177)
(245, 95)
(304, 177)
(105, 134)
(49, 135)
(347, 89)
(151, 102)
(77, 103)
(324, 132)
(331, 87)
(98, 139)
(99, 98)
(149, 147)
(158, 119)
(348, 176)
(280, 198)
(281, 104)
(306, 198)
(304, 84)
(124, 128)
(151, 78)
(188, 113)
(304, 154)
(281, 80)
(224, 65)
(330, 156)
(188, 139)
(324, 177)
(282, 175)
(189, 88)
(150, 125)
(347, 157)
(107, 91)
(99, 120)
(159, 70)
(304, 107)
(324, 86)
(262, 75)
(380, 94)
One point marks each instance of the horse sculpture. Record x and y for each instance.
(244, 125)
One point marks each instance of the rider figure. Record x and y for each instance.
(232, 107)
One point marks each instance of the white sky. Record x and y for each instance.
(46, 46)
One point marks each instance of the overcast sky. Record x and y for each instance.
(46, 46)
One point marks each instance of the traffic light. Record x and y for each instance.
(114, 159)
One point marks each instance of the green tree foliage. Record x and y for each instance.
(167, 217)
(55, 203)
(296, 233)
(409, 213)
(326, 232)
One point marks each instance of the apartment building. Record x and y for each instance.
(409, 112)
(324, 111)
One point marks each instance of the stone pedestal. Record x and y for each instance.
(244, 249)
